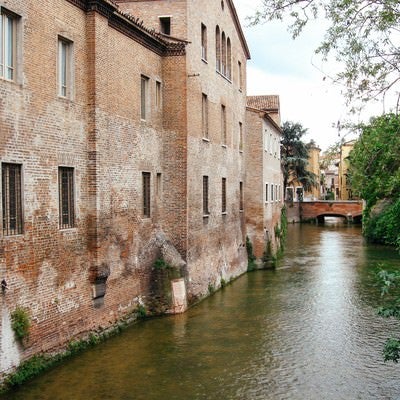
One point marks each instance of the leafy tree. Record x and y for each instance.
(295, 157)
(375, 177)
(362, 35)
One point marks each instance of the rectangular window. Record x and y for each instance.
(240, 75)
(66, 197)
(223, 124)
(276, 192)
(203, 42)
(144, 81)
(146, 194)
(204, 111)
(64, 67)
(240, 136)
(165, 25)
(272, 192)
(158, 95)
(223, 195)
(11, 188)
(241, 196)
(266, 192)
(205, 196)
(8, 29)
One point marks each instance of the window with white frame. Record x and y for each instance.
(64, 68)
(8, 44)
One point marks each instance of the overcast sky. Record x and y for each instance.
(290, 68)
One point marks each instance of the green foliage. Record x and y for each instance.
(375, 176)
(251, 265)
(294, 160)
(390, 291)
(211, 289)
(20, 323)
(391, 351)
(161, 264)
(362, 37)
(141, 311)
(223, 283)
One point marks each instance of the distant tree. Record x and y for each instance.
(362, 35)
(295, 157)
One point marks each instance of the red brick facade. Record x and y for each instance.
(133, 108)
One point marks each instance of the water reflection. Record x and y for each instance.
(305, 331)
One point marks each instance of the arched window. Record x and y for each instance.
(229, 59)
(218, 48)
(223, 54)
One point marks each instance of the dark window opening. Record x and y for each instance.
(66, 197)
(223, 197)
(165, 25)
(146, 194)
(11, 199)
(205, 195)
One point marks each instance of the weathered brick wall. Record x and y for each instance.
(100, 134)
(262, 167)
(45, 268)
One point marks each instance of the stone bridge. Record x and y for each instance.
(350, 209)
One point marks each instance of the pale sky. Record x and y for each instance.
(291, 69)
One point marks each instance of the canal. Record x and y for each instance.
(307, 330)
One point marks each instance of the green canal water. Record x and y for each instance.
(307, 330)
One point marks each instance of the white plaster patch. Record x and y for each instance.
(9, 350)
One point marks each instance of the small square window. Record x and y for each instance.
(165, 25)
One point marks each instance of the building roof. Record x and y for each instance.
(264, 103)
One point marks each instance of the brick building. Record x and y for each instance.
(122, 142)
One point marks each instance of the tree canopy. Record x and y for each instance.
(375, 176)
(362, 35)
(295, 157)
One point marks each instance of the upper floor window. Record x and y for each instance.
(144, 83)
(158, 95)
(223, 53)
(64, 67)
(218, 48)
(66, 197)
(240, 76)
(228, 59)
(223, 124)
(165, 25)
(266, 192)
(204, 122)
(203, 42)
(8, 29)
(11, 196)
(240, 136)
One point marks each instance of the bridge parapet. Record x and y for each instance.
(349, 209)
